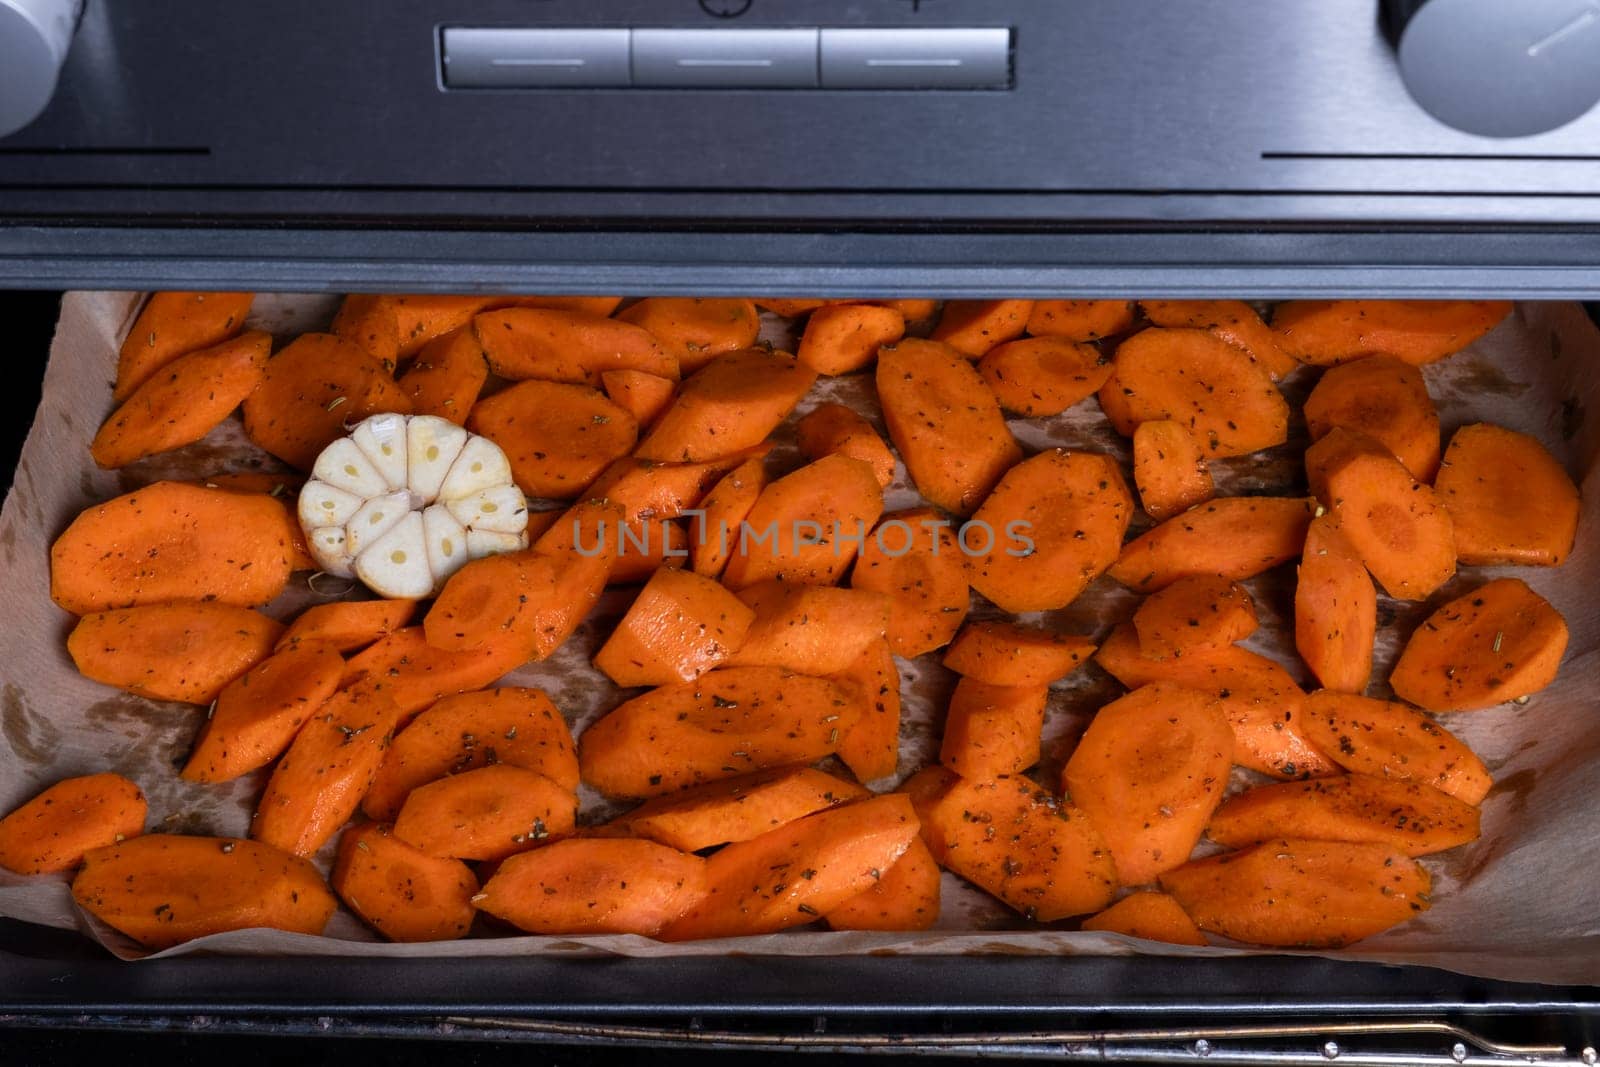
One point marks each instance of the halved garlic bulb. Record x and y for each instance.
(405, 501)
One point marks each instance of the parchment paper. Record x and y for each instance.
(1521, 903)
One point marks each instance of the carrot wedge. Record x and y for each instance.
(52, 831)
(1391, 740)
(1196, 613)
(696, 330)
(559, 438)
(1169, 469)
(1293, 893)
(725, 723)
(678, 627)
(487, 813)
(1509, 500)
(799, 872)
(808, 525)
(347, 625)
(1003, 653)
(401, 891)
(446, 376)
(485, 601)
(1497, 643)
(1410, 817)
(737, 809)
(842, 338)
(1149, 771)
(1387, 400)
(915, 559)
(1325, 332)
(510, 725)
(946, 424)
(833, 428)
(871, 745)
(973, 327)
(992, 730)
(595, 886)
(1038, 855)
(556, 345)
(1335, 609)
(714, 533)
(644, 396)
(1236, 537)
(1080, 320)
(811, 629)
(1148, 915)
(1039, 376)
(172, 324)
(257, 715)
(729, 405)
(186, 650)
(906, 897)
(415, 674)
(1233, 321)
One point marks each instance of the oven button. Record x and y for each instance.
(725, 59)
(959, 58)
(502, 58)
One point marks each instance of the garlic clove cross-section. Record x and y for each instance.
(404, 502)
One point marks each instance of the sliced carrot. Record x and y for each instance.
(1391, 740)
(1335, 609)
(347, 625)
(509, 724)
(678, 627)
(1227, 402)
(314, 385)
(447, 376)
(829, 429)
(401, 891)
(1038, 855)
(485, 601)
(811, 629)
(1233, 321)
(416, 674)
(725, 723)
(284, 525)
(1038, 376)
(1148, 915)
(164, 889)
(578, 555)
(567, 346)
(973, 327)
(1293, 893)
(729, 405)
(1196, 613)
(558, 437)
(171, 325)
(172, 541)
(799, 872)
(258, 713)
(1497, 643)
(52, 831)
(487, 813)
(1509, 500)
(737, 809)
(714, 532)
(807, 526)
(184, 650)
(646, 548)
(1236, 537)
(1393, 522)
(182, 403)
(696, 330)
(842, 338)
(871, 746)
(644, 396)
(906, 897)
(318, 784)
(1149, 771)
(1263, 705)
(1324, 332)
(915, 558)
(1080, 320)
(645, 489)
(595, 886)
(1387, 400)
(421, 317)
(992, 730)
(1004, 653)
(1411, 817)
(945, 422)
(368, 321)
(1053, 525)
(1169, 469)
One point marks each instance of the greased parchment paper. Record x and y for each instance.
(1521, 903)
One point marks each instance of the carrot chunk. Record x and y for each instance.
(558, 437)
(678, 627)
(1387, 400)
(1080, 320)
(556, 345)
(1196, 613)
(415, 674)
(52, 831)
(1053, 525)
(845, 337)
(830, 429)
(486, 600)
(595, 886)
(347, 625)
(915, 559)
(1325, 332)
(1301, 894)
(1509, 500)
(870, 747)
(945, 422)
(1038, 855)
(807, 526)
(644, 396)
(401, 891)
(1003, 653)
(714, 533)
(696, 330)
(992, 730)
(1038, 376)
(1497, 643)
(578, 556)
(258, 713)
(1233, 321)
(447, 376)
(1411, 817)
(1169, 469)
(1149, 771)
(973, 327)
(171, 325)
(186, 650)
(729, 405)
(906, 897)
(1148, 915)
(737, 809)
(645, 489)
(811, 629)
(646, 548)
(487, 813)
(1237, 537)
(510, 725)
(1335, 609)
(1390, 740)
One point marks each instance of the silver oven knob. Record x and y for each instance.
(1500, 68)
(34, 35)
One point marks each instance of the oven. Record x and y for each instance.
(952, 149)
